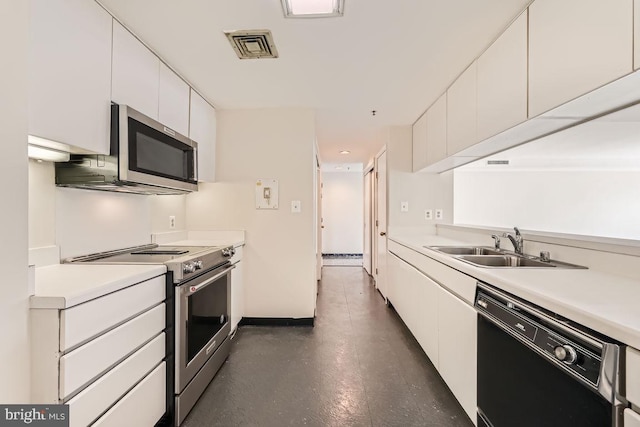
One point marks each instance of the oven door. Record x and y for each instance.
(202, 321)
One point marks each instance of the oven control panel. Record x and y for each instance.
(558, 343)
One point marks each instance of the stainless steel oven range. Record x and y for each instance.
(198, 314)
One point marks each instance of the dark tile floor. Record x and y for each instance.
(359, 366)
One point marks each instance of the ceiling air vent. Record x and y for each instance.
(252, 44)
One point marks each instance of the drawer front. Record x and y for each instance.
(633, 375)
(631, 419)
(85, 321)
(86, 363)
(99, 396)
(459, 283)
(142, 406)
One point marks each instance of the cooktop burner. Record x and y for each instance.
(161, 251)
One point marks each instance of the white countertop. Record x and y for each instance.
(208, 242)
(65, 285)
(606, 303)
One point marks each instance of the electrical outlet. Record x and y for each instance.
(172, 221)
(404, 206)
(439, 214)
(428, 214)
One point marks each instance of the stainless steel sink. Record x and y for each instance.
(504, 261)
(466, 250)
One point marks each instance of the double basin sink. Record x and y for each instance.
(488, 257)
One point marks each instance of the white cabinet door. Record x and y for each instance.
(576, 46)
(202, 130)
(426, 303)
(70, 73)
(631, 419)
(633, 375)
(135, 73)
(419, 143)
(237, 295)
(462, 111)
(437, 130)
(636, 34)
(173, 108)
(457, 323)
(502, 81)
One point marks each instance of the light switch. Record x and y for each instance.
(404, 206)
(296, 206)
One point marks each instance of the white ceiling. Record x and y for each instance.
(395, 57)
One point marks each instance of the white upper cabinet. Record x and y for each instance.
(135, 73)
(70, 73)
(419, 143)
(636, 34)
(462, 111)
(437, 130)
(173, 108)
(202, 130)
(576, 46)
(502, 81)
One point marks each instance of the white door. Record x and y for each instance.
(381, 223)
(366, 252)
(319, 225)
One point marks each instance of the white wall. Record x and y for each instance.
(42, 203)
(585, 202)
(14, 352)
(422, 190)
(342, 212)
(279, 254)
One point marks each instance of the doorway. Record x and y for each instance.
(343, 214)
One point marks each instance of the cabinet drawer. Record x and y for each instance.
(459, 283)
(631, 419)
(86, 363)
(633, 375)
(142, 406)
(99, 396)
(85, 321)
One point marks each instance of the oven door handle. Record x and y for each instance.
(190, 290)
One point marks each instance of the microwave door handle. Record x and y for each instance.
(193, 289)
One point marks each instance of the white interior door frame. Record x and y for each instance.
(381, 222)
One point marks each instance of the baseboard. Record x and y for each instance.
(276, 321)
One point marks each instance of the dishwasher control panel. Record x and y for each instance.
(566, 348)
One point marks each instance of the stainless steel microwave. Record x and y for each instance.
(146, 157)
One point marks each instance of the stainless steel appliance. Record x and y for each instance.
(198, 314)
(146, 157)
(539, 369)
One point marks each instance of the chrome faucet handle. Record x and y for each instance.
(496, 243)
(545, 256)
(517, 230)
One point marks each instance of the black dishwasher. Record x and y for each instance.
(535, 370)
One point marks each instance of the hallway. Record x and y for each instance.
(358, 366)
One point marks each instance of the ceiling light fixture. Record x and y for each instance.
(345, 152)
(312, 8)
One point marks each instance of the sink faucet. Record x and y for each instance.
(517, 241)
(496, 244)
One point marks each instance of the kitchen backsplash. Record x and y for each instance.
(88, 221)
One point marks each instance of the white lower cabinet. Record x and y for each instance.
(142, 406)
(103, 355)
(444, 324)
(631, 419)
(632, 370)
(237, 289)
(458, 346)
